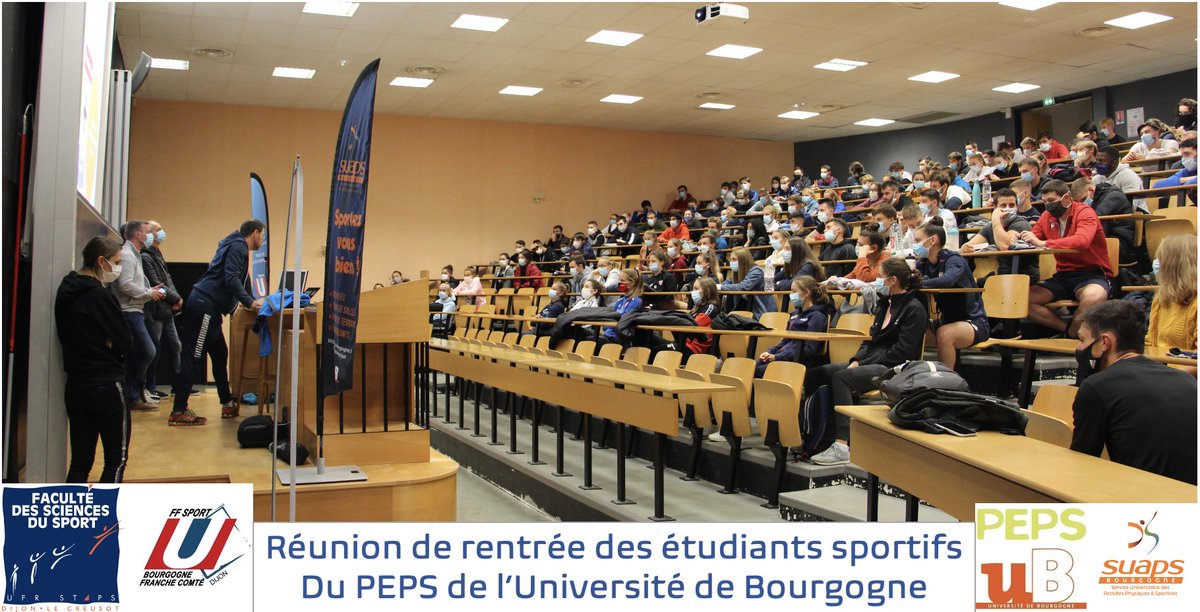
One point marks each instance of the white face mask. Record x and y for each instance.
(445, 277)
(861, 251)
(1045, 146)
(107, 277)
(672, 252)
(586, 292)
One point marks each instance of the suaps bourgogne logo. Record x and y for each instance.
(196, 548)
(61, 545)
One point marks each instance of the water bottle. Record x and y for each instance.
(976, 197)
(952, 234)
(987, 190)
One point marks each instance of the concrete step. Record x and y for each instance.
(846, 503)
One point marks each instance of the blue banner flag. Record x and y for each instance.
(260, 260)
(344, 248)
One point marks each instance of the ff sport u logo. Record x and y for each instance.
(197, 547)
(1033, 576)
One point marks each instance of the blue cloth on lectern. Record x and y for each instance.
(269, 307)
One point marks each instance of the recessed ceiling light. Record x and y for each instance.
(620, 99)
(797, 114)
(337, 9)
(478, 22)
(169, 64)
(613, 37)
(517, 90)
(933, 76)
(410, 82)
(874, 122)
(733, 51)
(1138, 20)
(1016, 88)
(1028, 5)
(294, 73)
(716, 106)
(841, 65)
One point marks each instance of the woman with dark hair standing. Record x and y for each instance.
(95, 339)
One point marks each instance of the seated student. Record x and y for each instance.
(649, 245)
(756, 234)
(892, 194)
(683, 199)
(659, 280)
(580, 272)
(520, 246)
(910, 219)
(525, 268)
(446, 304)
(747, 186)
(1050, 147)
(798, 260)
(1109, 169)
(1083, 276)
(954, 163)
(676, 256)
(950, 195)
(901, 319)
(470, 287)
(1186, 119)
(744, 275)
(448, 276)
(855, 179)
(1003, 166)
(638, 217)
(837, 247)
(595, 236)
(827, 180)
(1005, 227)
(796, 223)
(556, 306)
(787, 188)
(887, 223)
(874, 197)
(1089, 131)
(1173, 310)
(721, 236)
(770, 218)
(811, 311)
(609, 276)
(1031, 172)
(930, 204)
(589, 295)
(1187, 173)
(976, 169)
(963, 322)
(774, 259)
(631, 299)
(870, 251)
(706, 305)
(1152, 143)
(896, 171)
(1143, 412)
(624, 233)
(675, 230)
(1026, 206)
(692, 220)
(502, 271)
(557, 242)
(539, 253)
(398, 277)
(707, 266)
(580, 246)
(653, 223)
(1108, 130)
(1083, 156)
(1107, 200)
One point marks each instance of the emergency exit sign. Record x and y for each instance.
(1047, 101)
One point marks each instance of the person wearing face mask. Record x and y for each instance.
(653, 223)
(874, 197)
(589, 295)
(580, 246)
(1089, 131)
(676, 256)
(707, 266)
(160, 315)
(447, 275)
(1173, 309)
(1108, 131)
(744, 275)
(443, 308)
(870, 251)
(608, 276)
(1185, 121)
(774, 259)
(630, 286)
(896, 171)
(1026, 206)
(837, 247)
(692, 220)
(675, 229)
(1109, 169)
(887, 224)
(1050, 147)
(682, 200)
(827, 179)
(811, 312)
(787, 188)
(756, 233)
(855, 178)
(625, 233)
(1152, 144)
(747, 186)
(557, 241)
(963, 322)
(526, 274)
(1004, 167)
(638, 217)
(1187, 174)
(1005, 227)
(398, 277)
(771, 218)
(1084, 275)
(1107, 200)
(955, 163)
(976, 169)
(502, 270)
(718, 237)
(556, 305)
(133, 293)
(824, 215)
(930, 204)
(470, 287)
(951, 196)
(1143, 412)
(1031, 173)
(659, 280)
(593, 234)
(798, 260)
(800, 180)
(896, 336)
(95, 339)
(705, 307)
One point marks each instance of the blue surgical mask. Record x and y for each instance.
(1189, 163)
(654, 267)
(880, 288)
(830, 235)
(724, 218)
(918, 184)
(1027, 176)
(823, 217)
(954, 165)
(553, 294)
(795, 299)
(787, 256)
(699, 269)
(695, 296)
(733, 265)
(775, 244)
(793, 209)
(442, 295)
(1074, 154)
(1002, 166)
(924, 209)
(602, 271)
(149, 239)
(1155, 267)
(767, 219)
(161, 234)
(883, 228)
(750, 233)
(1147, 139)
(920, 251)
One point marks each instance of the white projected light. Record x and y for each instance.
(716, 106)
(620, 99)
(796, 114)
(874, 122)
(933, 76)
(478, 22)
(733, 51)
(293, 73)
(517, 90)
(1016, 88)
(410, 82)
(169, 64)
(336, 9)
(1138, 20)
(614, 38)
(1028, 5)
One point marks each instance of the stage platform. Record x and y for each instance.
(419, 491)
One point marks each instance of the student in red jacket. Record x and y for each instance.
(1084, 276)
(526, 268)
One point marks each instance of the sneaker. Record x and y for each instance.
(716, 437)
(149, 399)
(143, 407)
(158, 395)
(185, 418)
(229, 409)
(838, 454)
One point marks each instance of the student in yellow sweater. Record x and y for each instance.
(1173, 311)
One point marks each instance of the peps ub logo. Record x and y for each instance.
(61, 545)
(196, 547)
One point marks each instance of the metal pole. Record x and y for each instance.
(298, 176)
(287, 232)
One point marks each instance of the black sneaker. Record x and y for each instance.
(158, 395)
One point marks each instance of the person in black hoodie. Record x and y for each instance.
(218, 292)
(896, 337)
(160, 315)
(95, 339)
(659, 279)
(812, 311)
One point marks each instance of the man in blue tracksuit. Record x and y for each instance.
(216, 294)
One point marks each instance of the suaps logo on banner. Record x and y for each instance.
(127, 547)
(1095, 556)
(347, 218)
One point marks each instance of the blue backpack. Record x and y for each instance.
(817, 423)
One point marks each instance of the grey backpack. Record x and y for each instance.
(904, 380)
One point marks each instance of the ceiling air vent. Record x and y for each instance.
(211, 52)
(425, 71)
(710, 95)
(914, 5)
(574, 83)
(1095, 32)
(929, 117)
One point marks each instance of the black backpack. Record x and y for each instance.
(925, 408)
(283, 452)
(904, 380)
(257, 431)
(817, 423)
(730, 321)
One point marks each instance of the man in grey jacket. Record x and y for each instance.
(133, 292)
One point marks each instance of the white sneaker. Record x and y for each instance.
(149, 399)
(716, 437)
(838, 454)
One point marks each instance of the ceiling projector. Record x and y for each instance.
(721, 14)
